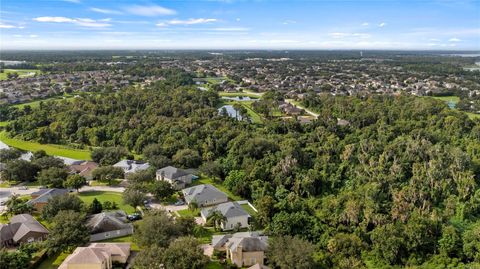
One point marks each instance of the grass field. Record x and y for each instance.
(249, 209)
(3, 123)
(453, 100)
(244, 94)
(50, 149)
(103, 196)
(36, 103)
(53, 262)
(21, 72)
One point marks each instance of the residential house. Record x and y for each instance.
(40, 198)
(97, 256)
(243, 249)
(110, 224)
(179, 178)
(132, 166)
(84, 169)
(22, 228)
(235, 215)
(204, 195)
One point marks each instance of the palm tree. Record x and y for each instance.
(193, 205)
(216, 218)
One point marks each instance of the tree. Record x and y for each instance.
(184, 253)
(14, 259)
(53, 177)
(187, 158)
(46, 162)
(216, 218)
(15, 206)
(107, 174)
(471, 242)
(19, 171)
(193, 205)
(212, 169)
(134, 197)
(95, 207)
(75, 182)
(110, 155)
(162, 189)
(61, 202)
(286, 252)
(157, 228)
(68, 231)
(11, 154)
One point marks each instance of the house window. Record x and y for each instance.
(30, 239)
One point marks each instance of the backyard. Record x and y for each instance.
(103, 196)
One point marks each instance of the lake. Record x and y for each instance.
(230, 111)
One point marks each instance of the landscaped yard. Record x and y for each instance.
(50, 149)
(189, 213)
(249, 209)
(124, 239)
(102, 196)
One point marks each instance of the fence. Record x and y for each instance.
(111, 234)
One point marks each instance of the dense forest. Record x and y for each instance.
(396, 186)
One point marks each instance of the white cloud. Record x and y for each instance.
(365, 24)
(237, 19)
(86, 22)
(231, 29)
(454, 40)
(339, 35)
(382, 24)
(73, 1)
(7, 26)
(33, 36)
(191, 21)
(150, 11)
(105, 11)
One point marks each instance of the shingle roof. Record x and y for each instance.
(19, 226)
(228, 209)
(203, 193)
(46, 194)
(249, 241)
(171, 172)
(108, 221)
(132, 165)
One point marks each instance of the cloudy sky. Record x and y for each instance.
(237, 24)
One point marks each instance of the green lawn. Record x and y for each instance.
(204, 180)
(234, 94)
(3, 123)
(103, 196)
(189, 213)
(98, 183)
(473, 115)
(124, 239)
(453, 99)
(21, 72)
(249, 209)
(214, 265)
(36, 103)
(50, 149)
(53, 262)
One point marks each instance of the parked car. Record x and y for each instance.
(179, 202)
(134, 217)
(23, 188)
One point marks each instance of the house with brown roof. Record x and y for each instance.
(22, 228)
(84, 169)
(243, 249)
(97, 256)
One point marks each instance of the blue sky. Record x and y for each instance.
(231, 24)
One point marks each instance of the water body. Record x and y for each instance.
(463, 54)
(9, 63)
(239, 98)
(232, 112)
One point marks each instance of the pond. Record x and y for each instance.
(239, 98)
(230, 111)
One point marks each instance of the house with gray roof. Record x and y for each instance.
(40, 198)
(235, 215)
(179, 178)
(204, 195)
(107, 225)
(132, 166)
(22, 228)
(243, 249)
